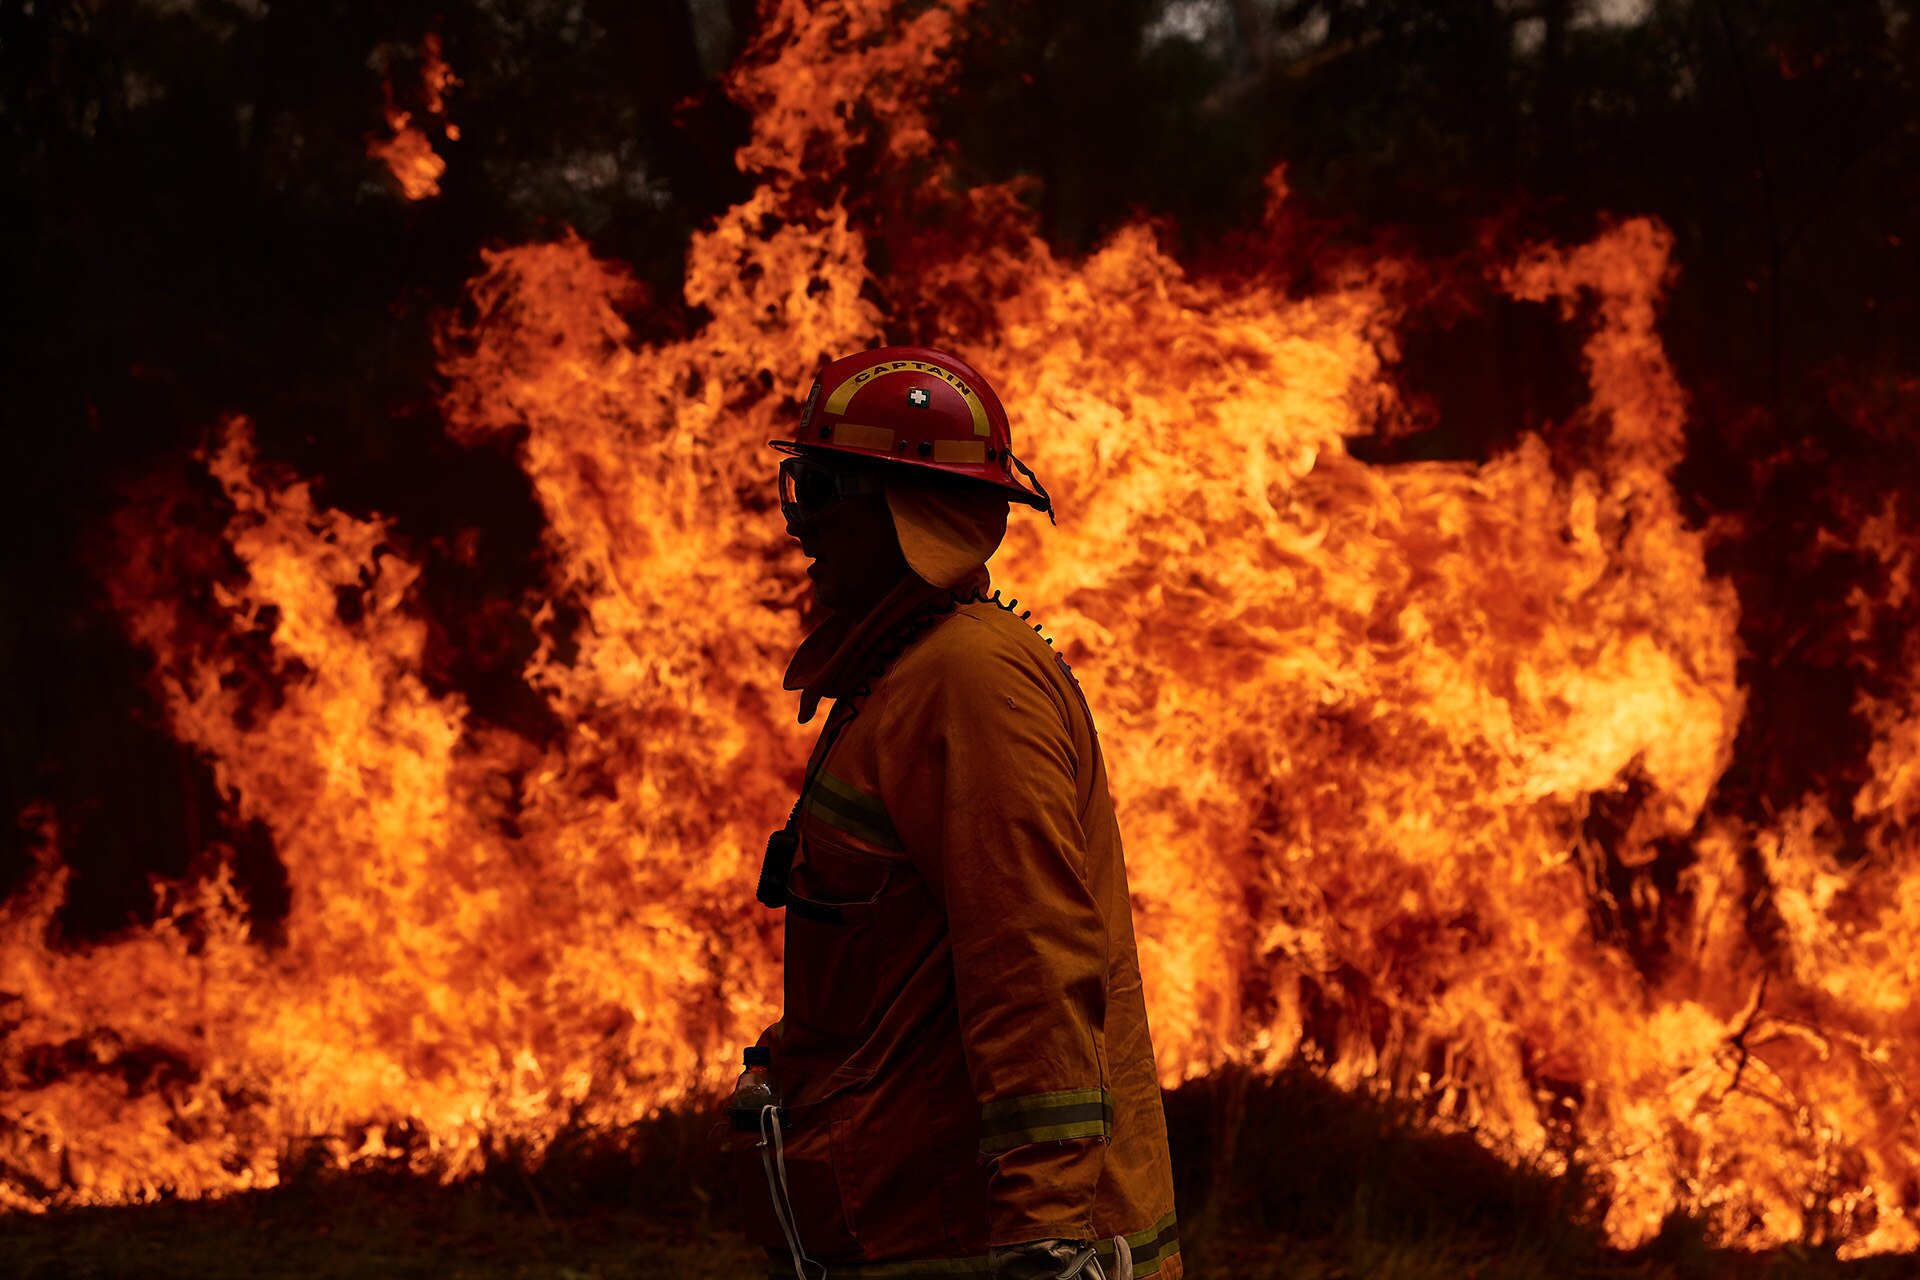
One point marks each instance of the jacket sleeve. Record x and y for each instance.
(978, 774)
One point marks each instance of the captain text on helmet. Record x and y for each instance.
(963, 1056)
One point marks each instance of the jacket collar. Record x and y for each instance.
(833, 659)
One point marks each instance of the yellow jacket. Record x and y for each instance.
(963, 1048)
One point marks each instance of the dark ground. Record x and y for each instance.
(1337, 1187)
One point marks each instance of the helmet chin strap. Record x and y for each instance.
(1034, 480)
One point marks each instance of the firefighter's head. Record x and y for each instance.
(838, 510)
(903, 461)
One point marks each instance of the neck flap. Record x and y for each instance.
(833, 660)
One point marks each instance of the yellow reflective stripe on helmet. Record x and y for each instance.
(860, 436)
(959, 451)
(845, 807)
(843, 394)
(1046, 1117)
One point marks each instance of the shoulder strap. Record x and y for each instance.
(784, 843)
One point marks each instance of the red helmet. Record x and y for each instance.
(917, 407)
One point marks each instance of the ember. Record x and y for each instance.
(408, 152)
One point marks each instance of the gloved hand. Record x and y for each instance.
(1058, 1260)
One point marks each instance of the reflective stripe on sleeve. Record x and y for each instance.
(845, 807)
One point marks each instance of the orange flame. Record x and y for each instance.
(1362, 722)
(408, 152)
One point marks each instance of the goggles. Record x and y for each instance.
(807, 488)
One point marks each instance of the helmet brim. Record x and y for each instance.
(934, 472)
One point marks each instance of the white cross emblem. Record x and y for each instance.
(917, 397)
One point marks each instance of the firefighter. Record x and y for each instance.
(963, 1055)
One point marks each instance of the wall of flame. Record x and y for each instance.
(1357, 718)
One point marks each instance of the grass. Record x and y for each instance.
(1278, 1180)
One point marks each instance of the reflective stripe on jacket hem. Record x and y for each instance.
(1046, 1117)
(1151, 1247)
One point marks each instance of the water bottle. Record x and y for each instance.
(756, 1089)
